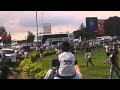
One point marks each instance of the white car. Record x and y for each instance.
(1, 57)
(9, 53)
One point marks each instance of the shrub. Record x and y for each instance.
(25, 62)
(33, 70)
(40, 75)
(47, 53)
(34, 55)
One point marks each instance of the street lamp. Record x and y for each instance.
(37, 27)
(42, 20)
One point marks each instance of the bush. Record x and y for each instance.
(25, 62)
(40, 75)
(34, 55)
(47, 53)
(33, 70)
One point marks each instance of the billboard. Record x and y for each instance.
(92, 24)
(46, 28)
(101, 30)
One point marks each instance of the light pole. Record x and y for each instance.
(37, 27)
(42, 21)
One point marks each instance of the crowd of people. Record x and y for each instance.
(65, 64)
(6, 39)
(67, 60)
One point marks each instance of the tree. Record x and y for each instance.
(83, 33)
(30, 37)
(2, 29)
(81, 27)
(112, 26)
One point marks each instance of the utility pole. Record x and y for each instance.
(42, 22)
(37, 27)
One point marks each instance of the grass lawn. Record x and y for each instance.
(100, 71)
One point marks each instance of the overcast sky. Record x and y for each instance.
(19, 22)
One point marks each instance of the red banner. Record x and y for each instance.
(101, 30)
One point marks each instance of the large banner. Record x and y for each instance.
(92, 25)
(46, 28)
(101, 30)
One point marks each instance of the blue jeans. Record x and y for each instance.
(113, 69)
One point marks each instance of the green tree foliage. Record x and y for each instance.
(83, 33)
(2, 29)
(112, 26)
(30, 37)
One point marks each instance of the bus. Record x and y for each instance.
(47, 39)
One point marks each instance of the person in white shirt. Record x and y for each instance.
(113, 67)
(51, 72)
(14, 60)
(107, 47)
(89, 58)
(68, 67)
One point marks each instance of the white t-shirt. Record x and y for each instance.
(89, 55)
(13, 57)
(67, 63)
(107, 48)
(50, 74)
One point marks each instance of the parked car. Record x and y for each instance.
(8, 54)
(1, 58)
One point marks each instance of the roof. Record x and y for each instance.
(7, 49)
(52, 34)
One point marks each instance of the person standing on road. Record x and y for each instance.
(4, 38)
(14, 60)
(9, 40)
(41, 53)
